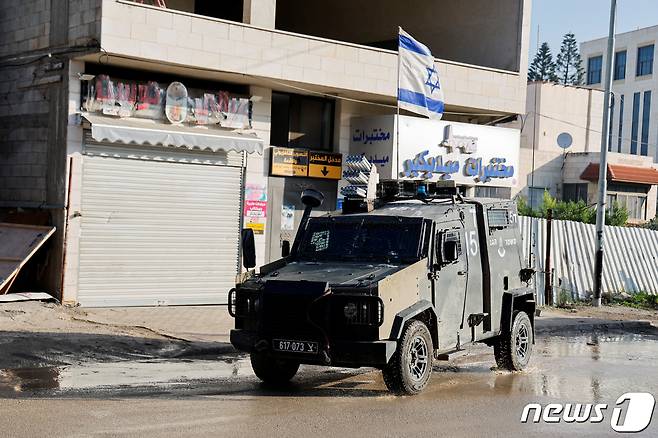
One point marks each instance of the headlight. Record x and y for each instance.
(368, 311)
(349, 310)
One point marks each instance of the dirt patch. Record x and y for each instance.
(613, 312)
(35, 334)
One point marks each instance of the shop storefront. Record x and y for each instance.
(482, 160)
(157, 207)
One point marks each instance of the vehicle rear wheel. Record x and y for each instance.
(273, 370)
(514, 347)
(410, 368)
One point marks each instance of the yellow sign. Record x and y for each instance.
(289, 162)
(259, 228)
(325, 165)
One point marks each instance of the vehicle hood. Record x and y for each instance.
(336, 274)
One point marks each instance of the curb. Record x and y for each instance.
(580, 326)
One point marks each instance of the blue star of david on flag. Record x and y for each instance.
(419, 86)
(433, 84)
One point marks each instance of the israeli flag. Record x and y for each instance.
(419, 88)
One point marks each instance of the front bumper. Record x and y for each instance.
(338, 353)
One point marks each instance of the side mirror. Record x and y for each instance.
(285, 248)
(312, 198)
(248, 248)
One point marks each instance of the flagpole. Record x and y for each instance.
(397, 115)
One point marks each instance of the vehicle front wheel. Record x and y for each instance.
(514, 347)
(410, 368)
(272, 370)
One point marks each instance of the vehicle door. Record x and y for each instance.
(449, 276)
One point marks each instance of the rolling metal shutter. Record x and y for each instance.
(157, 229)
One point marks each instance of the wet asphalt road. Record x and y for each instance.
(211, 397)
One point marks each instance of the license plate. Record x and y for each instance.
(295, 346)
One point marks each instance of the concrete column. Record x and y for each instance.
(258, 165)
(260, 13)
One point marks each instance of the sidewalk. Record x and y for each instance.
(189, 323)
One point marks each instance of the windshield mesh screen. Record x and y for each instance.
(383, 238)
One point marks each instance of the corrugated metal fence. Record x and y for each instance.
(630, 261)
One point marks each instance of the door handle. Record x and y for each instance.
(461, 272)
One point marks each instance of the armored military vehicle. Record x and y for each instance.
(394, 284)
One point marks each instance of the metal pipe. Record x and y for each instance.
(603, 164)
(548, 283)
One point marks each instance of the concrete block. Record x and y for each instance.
(292, 72)
(150, 50)
(190, 41)
(367, 56)
(233, 63)
(209, 27)
(159, 18)
(214, 45)
(257, 36)
(235, 32)
(166, 36)
(332, 65)
(181, 23)
(144, 32)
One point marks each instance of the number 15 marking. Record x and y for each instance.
(472, 242)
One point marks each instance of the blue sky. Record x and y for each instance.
(587, 19)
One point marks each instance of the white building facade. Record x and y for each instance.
(569, 171)
(307, 71)
(634, 127)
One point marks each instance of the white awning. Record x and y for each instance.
(143, 131)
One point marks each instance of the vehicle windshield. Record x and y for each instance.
(386, 239)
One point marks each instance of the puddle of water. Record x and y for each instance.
(578, 368)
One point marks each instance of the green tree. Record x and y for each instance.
(653, 224)
(572, 211)
(617, 215)
(543, 66)
(569, 65)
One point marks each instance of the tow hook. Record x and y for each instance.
(325, 357)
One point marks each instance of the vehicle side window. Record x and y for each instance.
(498, 218)
(449, 248)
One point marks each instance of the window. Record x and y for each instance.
(574, 192)
(620, 65)
(302, 122)
(594, 66)
(493, 192)
(635, 122)
(631, 196)
(646, 109)
(644, 61)
(621, 123)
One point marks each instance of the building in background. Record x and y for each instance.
(570, 172)
(148, 212)
(634, 121)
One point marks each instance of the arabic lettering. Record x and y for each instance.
(426, 168)
(381, 161)
(377, 134)
(495, 169)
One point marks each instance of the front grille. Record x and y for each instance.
(286, 309)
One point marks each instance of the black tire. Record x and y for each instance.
(514, 347)
(406, 373)
(272, 370)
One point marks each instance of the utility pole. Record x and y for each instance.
(603, 164)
